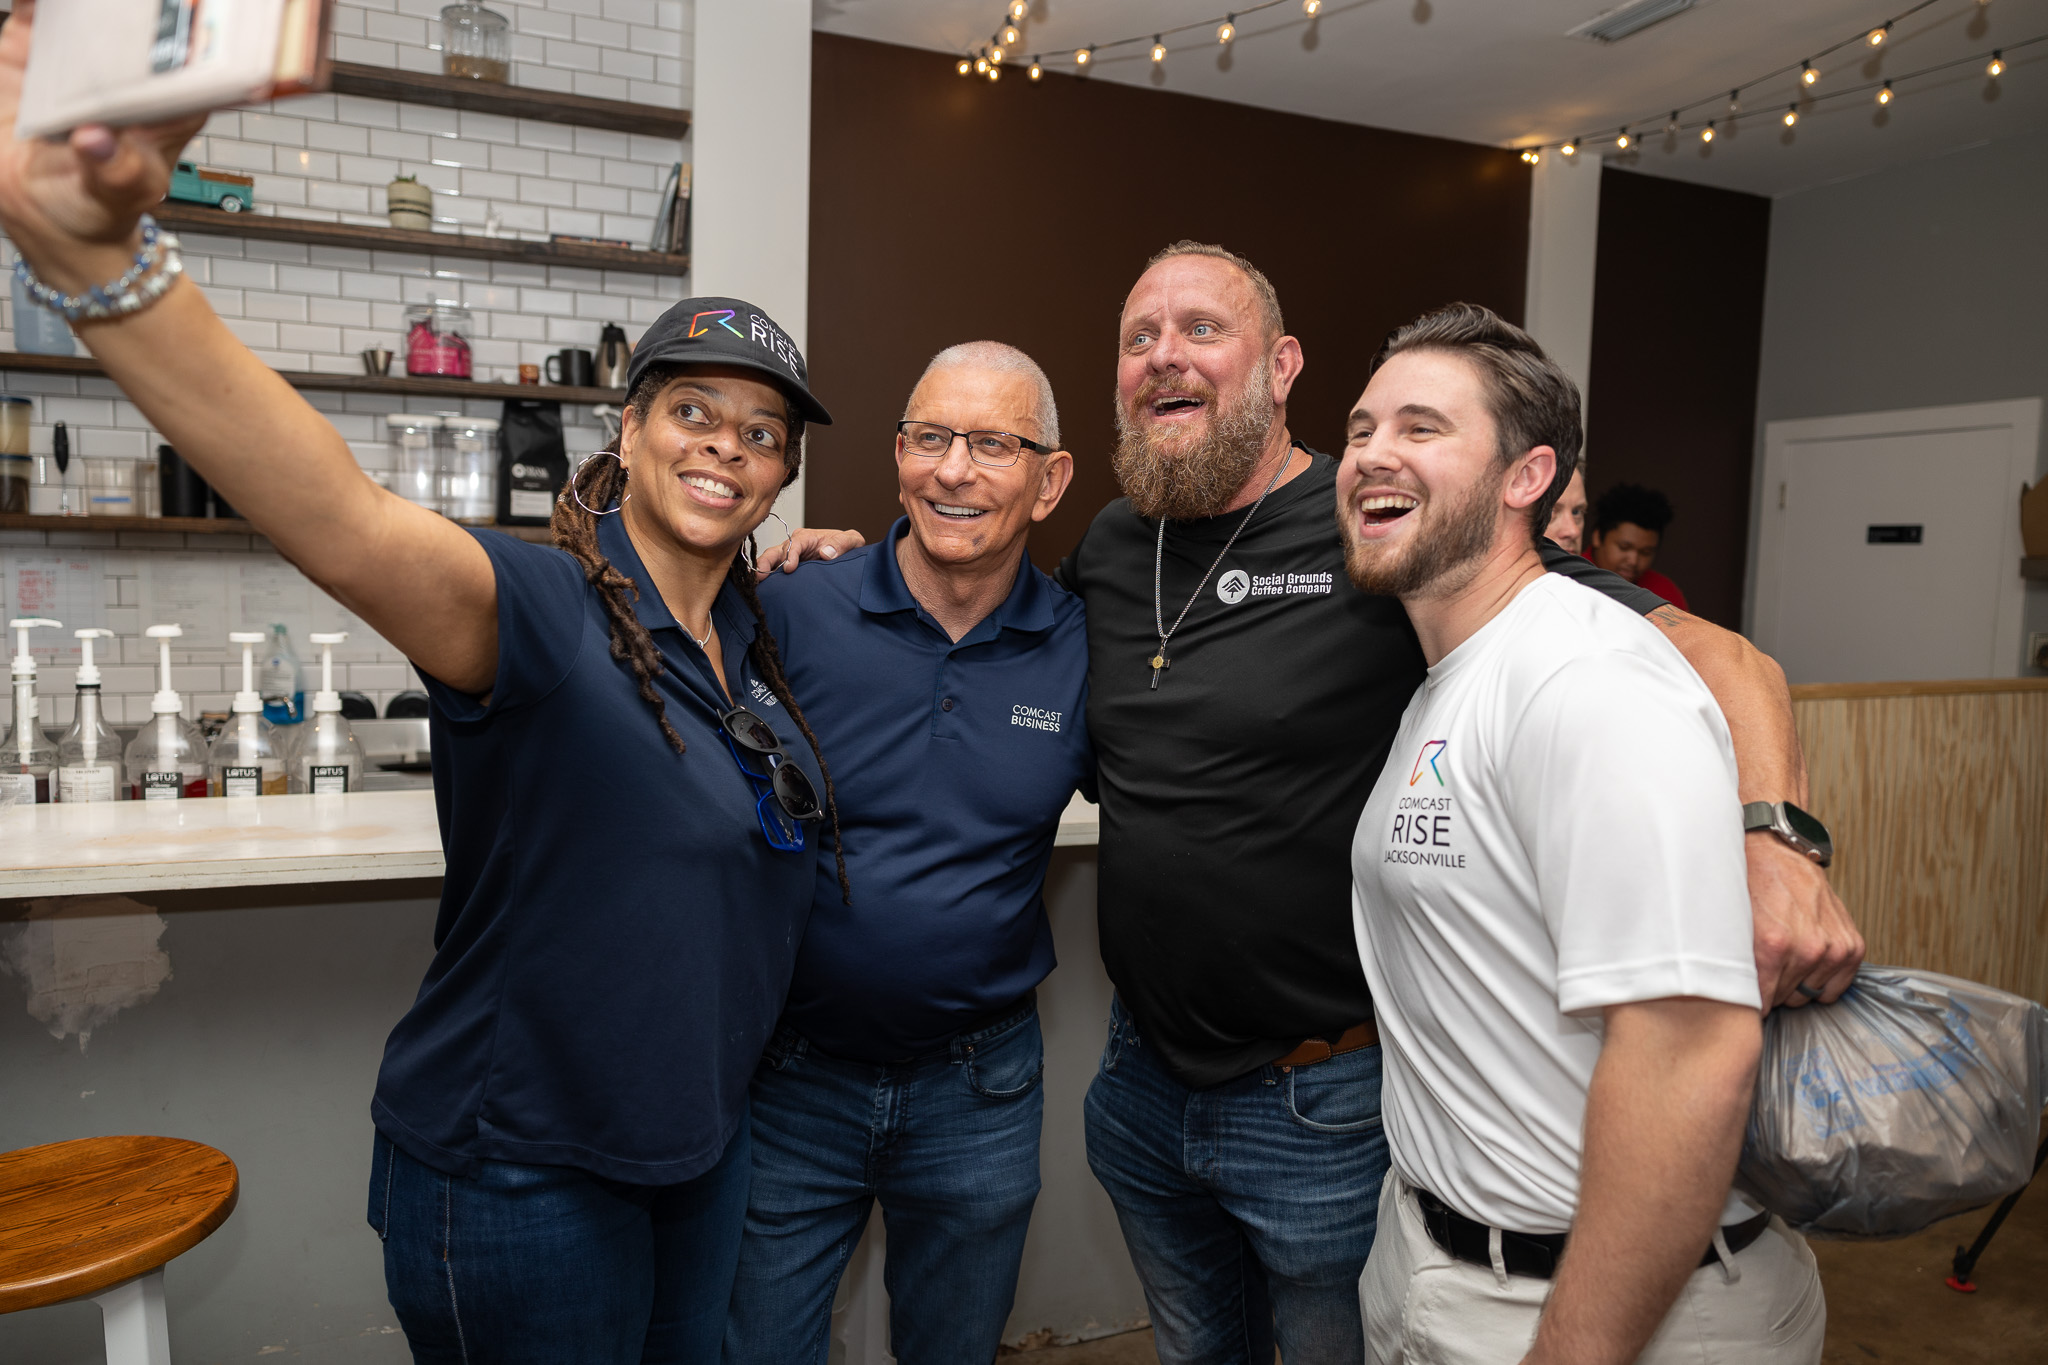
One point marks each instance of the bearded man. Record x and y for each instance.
(1243, 695)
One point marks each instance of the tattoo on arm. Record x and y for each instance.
(1669, 617)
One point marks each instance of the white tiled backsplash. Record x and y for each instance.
(329, 157)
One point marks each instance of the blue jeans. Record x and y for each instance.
(1248, 1207)
(537, 1265)
(948, 1143)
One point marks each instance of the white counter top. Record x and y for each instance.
(123, 846)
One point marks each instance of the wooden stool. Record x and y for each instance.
(99, 1218)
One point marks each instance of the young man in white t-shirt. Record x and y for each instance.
(1549, 891)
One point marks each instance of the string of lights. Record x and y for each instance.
(989, 59)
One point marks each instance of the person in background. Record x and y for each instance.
(1628, 526)
(1567, 529)
(1557, 934)
(948, 678)
(561, 1156)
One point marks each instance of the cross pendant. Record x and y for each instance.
(1158, 662)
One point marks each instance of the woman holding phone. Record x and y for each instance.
(560, 1168)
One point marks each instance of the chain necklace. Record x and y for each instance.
(1159, 661)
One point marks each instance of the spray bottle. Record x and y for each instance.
(167, 757)
(27, 757)
(248, 758)
(327, 760)
(89, 757)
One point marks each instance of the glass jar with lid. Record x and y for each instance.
(476, 43)
(437, 339)
(469, 469)
(416, 466)
(17, 470)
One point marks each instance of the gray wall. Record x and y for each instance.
(264, 1042)
(1914, 287)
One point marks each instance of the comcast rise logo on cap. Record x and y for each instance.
(760, 332)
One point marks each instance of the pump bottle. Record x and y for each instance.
(167, 757)
(27, 757)
(89, 757)
(248, 757)
(326, 758)
(284, 691)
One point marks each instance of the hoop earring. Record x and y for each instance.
(747, 553)
(577, 493)
(787, 534)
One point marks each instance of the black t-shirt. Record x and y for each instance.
(1230, 794)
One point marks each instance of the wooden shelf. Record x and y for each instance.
(364, 237)
(2035, 567)
(511, 101)
(203, 526)
(351, 383)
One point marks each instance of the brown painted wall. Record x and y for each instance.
(1678, 308)
(946, 209)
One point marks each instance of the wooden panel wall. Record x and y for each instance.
(1937, 795)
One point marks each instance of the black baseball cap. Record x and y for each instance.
(720, 331)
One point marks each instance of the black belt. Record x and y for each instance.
(1536, 1254)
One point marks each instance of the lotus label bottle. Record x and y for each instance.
(88, 757)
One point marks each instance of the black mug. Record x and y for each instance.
(578, 369)
(183, 491)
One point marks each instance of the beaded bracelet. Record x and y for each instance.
(120, 297)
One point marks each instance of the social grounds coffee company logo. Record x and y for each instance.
(1234, 587)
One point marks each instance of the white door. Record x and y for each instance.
(1890, 543)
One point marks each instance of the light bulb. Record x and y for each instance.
(1082, 54)
(995, 73)
(1997, 67)
(1532, 156)
(1734, 103)
(1707, 133)
(1884, 96)
(1624, 140)
(995, 56)
(1791, 114)
(1036, 69)
(964, 67)
(1018, 8)
(1671, 124)
(1570, 148)
(1877, 35)
(1010, 35)
(1309, 7)
(1158, 49)
(1807, 74)
(981, 66)
(1227, 30)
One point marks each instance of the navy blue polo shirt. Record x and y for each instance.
(953, 762)
(616, 936)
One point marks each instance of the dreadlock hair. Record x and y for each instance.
(599, 483)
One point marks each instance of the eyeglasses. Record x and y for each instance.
(788, 787)
(994, 448)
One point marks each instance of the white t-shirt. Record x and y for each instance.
(1556, 830)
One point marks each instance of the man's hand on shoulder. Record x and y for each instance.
(806, 543)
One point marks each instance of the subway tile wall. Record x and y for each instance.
(329, 157)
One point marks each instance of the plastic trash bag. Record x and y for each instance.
(1914, 1097)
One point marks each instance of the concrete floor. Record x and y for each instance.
(1887, 1304)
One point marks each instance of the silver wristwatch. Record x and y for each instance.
(1797, 828)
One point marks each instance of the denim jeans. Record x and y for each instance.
(1249, 1207)
(947, 1143)
(537, 1265)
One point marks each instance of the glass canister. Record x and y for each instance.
(469, 469)
(17, 470)
(476, 43)
(437, 340)
(416, 468)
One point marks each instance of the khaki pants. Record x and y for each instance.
(1422, 1307)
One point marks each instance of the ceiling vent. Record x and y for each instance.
(1617, 24)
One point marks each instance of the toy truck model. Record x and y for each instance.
(222, 189)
